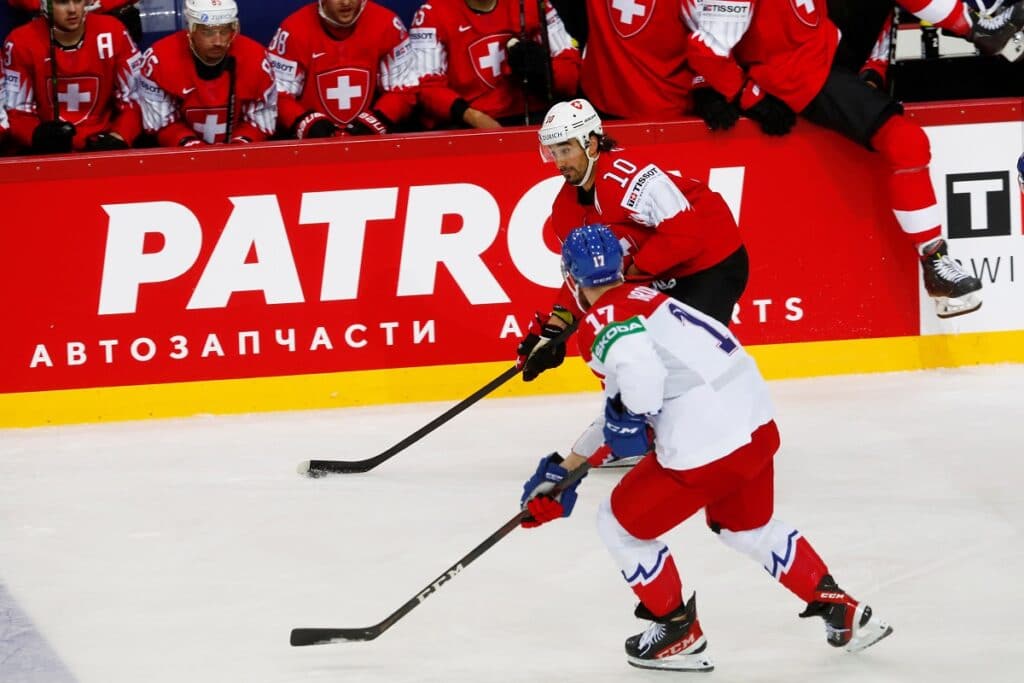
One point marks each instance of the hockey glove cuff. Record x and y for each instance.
(369, 124)
(104, 142)
(313, 124)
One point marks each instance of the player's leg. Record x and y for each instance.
(645, 504)
(715, 290)
(870, 117)
(744, 521)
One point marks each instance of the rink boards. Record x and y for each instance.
(352, 272)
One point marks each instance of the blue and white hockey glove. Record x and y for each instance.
(544, 508)
(625, 432)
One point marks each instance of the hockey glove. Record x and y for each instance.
(313, 124)
(528, 60)
(717, 112)
(190, 141)
(53, 137)
(625, 432)
(104, 142)
(536, 351)
(774, 115)
(368, 124)
(544, 508)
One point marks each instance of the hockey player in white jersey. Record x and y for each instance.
(680, 388)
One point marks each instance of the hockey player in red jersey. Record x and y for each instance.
(680, 236)
(679, 388)
(208, 84)
(94, 64)
(634, 57)
(342, 66)
(772, 59)
(475, 63)
(124, 10)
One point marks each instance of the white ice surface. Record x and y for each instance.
(185, 551)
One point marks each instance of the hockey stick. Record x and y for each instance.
(526, 79)
(54, 78)
(545, 41)
(321, 636)
(317, 468)
(229, 66)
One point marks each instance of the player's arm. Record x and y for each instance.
(288, 57)
(19, 79)
(876, 69)
(127, 122)
(713, 35)
(161, 111)
(565, 57)
(397, 79)
(259, 115)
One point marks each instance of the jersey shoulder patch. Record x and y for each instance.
(612, 333)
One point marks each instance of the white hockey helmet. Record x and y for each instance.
(572, 120)
(211, 12)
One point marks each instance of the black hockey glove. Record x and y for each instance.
(369, 124)
(529, 60)
(104, 142)
(53, 137)
(313, 124)
(536, 352)
(718, 112)
(774, 115)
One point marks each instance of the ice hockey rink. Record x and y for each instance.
(185, 550)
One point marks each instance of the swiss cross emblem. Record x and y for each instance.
(629, 17)
(807, 11)
(344, 92)
(488, 56)
(76, 97)
(209, 123)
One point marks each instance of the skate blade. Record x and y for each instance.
(1014, 48)
(622, 462)
(868, 634)
(951, 308)
(696, 662)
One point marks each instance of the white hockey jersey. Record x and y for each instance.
(703, 392)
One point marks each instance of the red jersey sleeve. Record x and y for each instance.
(397, 74)
(289, 55)
(715, 29)
(429, 40)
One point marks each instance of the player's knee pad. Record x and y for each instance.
(639, 560)
(760, 544)
(904, 144)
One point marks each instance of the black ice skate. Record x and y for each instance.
(673, 642)
(954, 291)
(1000, 34)
(848, 623)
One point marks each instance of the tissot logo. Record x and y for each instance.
(978, 204)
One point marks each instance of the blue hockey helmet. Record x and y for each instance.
(592, 256)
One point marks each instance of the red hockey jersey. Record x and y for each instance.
(95, 80)
(634, 63)
(672, 226)
(178, 104)
(462, 54)
(343, 72)
(784, 46)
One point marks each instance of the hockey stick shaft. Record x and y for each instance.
(525, 81)
(321, 636)
(316, 468)
(229, 66)
(54, 78)
(545, 41)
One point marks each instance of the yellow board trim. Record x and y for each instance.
(455, 382)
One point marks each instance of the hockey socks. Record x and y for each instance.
(784, 553)
(905, 146)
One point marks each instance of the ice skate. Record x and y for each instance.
(848, 623)
(954, 291)
(673, 642)
(1000, 33)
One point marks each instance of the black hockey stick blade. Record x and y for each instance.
(323, 636)
(319, 468)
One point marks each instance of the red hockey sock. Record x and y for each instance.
(905, 146)
(805, 572)
(664, 591)
(947, 14)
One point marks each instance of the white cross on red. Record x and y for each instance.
(628, 10)
(344, 93)
(493, 59)
(211, 128)
(73, 97)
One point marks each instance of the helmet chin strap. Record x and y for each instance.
(590, 168)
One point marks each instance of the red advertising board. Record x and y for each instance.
(285, 259)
